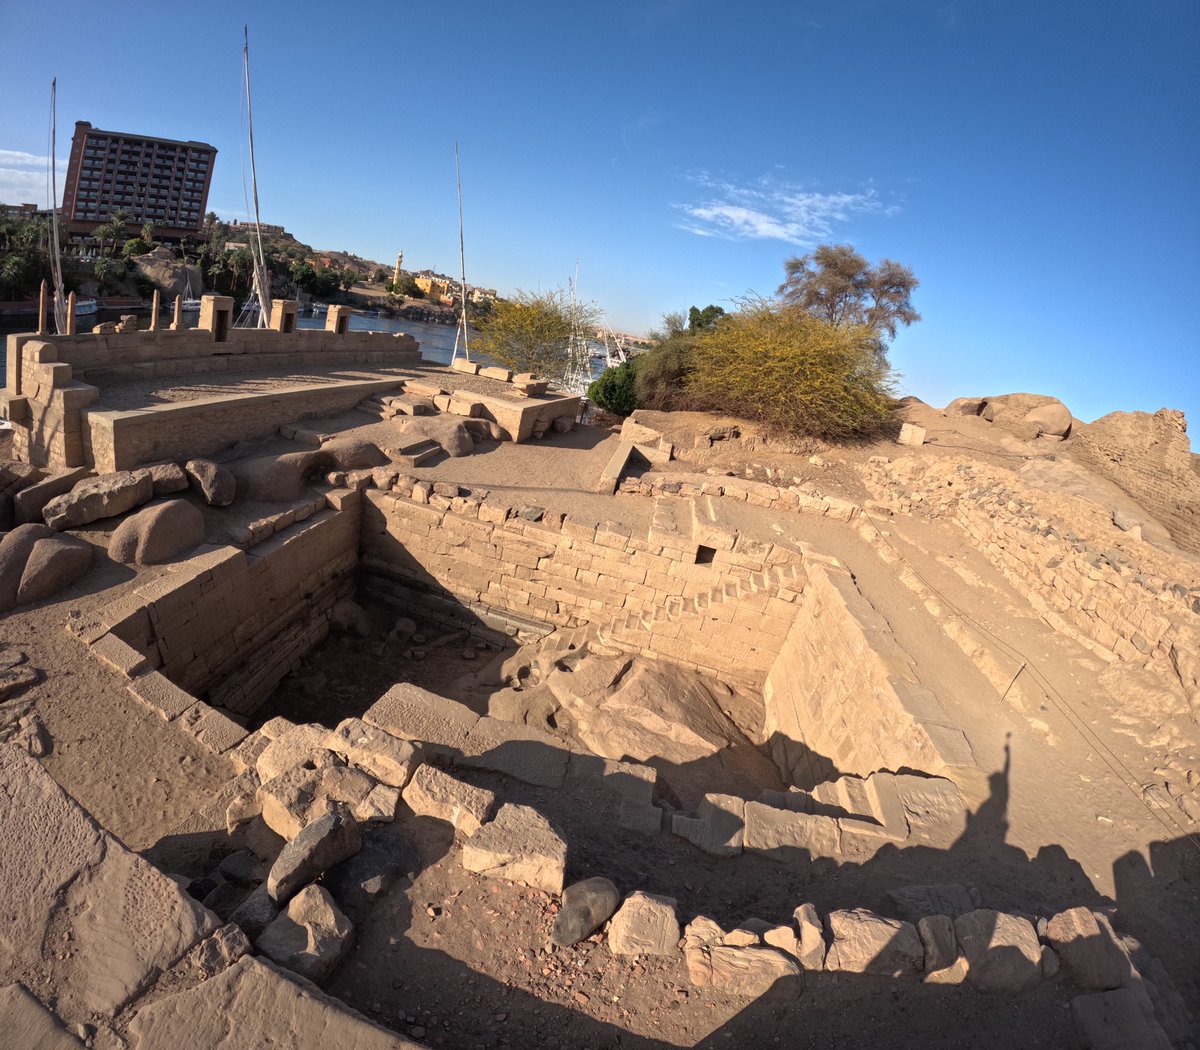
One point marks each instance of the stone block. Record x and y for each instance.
(389, 759)
(412, 713)
(1002, 951)
(519, 846)
(746, 972)
(520, 751)
(785, 836)
(911, 434)
(28, 1025)
(867, 943)
(160, 694)
(1088, 951)
(311, 937)
(432, 793)
(645, 924)
(327, 841)
(504, 375)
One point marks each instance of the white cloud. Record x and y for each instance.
(771, 210)
(23, 177)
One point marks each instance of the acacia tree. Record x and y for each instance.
(536, 333)
(838, 285)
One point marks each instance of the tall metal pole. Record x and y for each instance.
(462, 260)
(60, 306)
(260, 262)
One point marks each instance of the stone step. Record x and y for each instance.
(610, 477)
(415, 453)
(411, 405)
(671, 524)
(710, 523)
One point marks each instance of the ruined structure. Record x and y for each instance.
(472, 715)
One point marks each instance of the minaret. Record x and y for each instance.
(399, 266)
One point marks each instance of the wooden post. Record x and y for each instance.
(154, 313)
(41, 329)
(71, 314)
(177, 323)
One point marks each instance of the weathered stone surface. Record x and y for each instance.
(784, 938)
(412, 713)
(219, 951)
(1053, 418)
(945, 898)
(520, 846)
(157, 533)
(520, 751)
(718, 826)
(302, 745)
(702, 930)
(15, 547)
(941, 946)
(389, 759)
(432, 793)
(585, 907)
(812, 937)
(15, 680)
(167, 478)
(29, 503)
(128, 921)
(256, 912)
(784, 836)
(1002, 951)
(290, 800)
(310, 937)
(867, 943)
(327, 841)
(25, 1024)
(271, 1009)
(216, 484)
(1115, 1020)
(379, 806)
(751, 972)
(103, 496)
(934, 809)
(646, 924)
(1087, 950)
(350, 617)
(54, 563)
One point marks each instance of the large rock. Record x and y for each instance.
(216, 484)
(941, 946)
(387, 758)
(302, 745)
(1116, 1020)
(15, 547)
(167, 478)
(645, 925)
(432, 793)
(27, 1025)
(54, 563)
(29, 503)
(585, 907)
(173, 277)
(1052, 418)
(311, 937)
(325, 842)
(1002, 951)
(867, 943)
(291, 800)
(812, 937)
(104, 496)
(749, 972)
(451, 434)
(520, 846)
(1088, 951)
(157, 533)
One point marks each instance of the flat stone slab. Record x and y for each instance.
(412, 713)
(432, 793)
(251, 1005)
(519, 846)
(27, 1024)
(128, 922)
(520, 751)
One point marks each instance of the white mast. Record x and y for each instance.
(261, 282)
(462, 264)
(60, 299)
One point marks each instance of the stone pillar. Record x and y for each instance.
(216, 315)
(41, 327)
(177, 319)
(71, 313)
(338, 320)
(283, 315)
(154, 312)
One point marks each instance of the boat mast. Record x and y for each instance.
(60, 299)
(261, 288)
(462, 266)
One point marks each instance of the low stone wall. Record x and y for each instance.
(725, 616)
(119, 440)
(228, 624)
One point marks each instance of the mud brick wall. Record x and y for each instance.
(1149, 456)
(228, 624)
(842, 697)
(560, 572)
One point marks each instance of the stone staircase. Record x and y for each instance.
(387, 406)
(414, 453)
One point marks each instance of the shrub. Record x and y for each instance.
(794, 372)
(662, 373)
(616, 389)
(536, 333)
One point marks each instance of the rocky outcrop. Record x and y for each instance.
(36, 562)
(171, 276)
(157, 533)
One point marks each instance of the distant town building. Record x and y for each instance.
(266, 228)
(20, 211)
(399, 271)
(164, 182)
(433, 287)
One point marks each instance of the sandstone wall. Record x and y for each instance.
(1150, 458)
(475, 557)
(842, 697)
(229, 624)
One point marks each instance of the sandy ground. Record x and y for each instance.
(462, 962)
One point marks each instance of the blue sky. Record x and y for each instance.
(1037, 164)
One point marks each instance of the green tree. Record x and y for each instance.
(616, 389)
(134, 246)
(536, 333)
(698, 320)
(838, 285)
(797, 373)
(380, 276)
(147, 233)
(407, 285)
(349, 277)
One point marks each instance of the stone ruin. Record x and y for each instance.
(697, 687)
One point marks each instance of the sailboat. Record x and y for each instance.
(461, 332)
(191, 305)
(60, 298)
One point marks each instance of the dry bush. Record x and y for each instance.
(794, 372)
